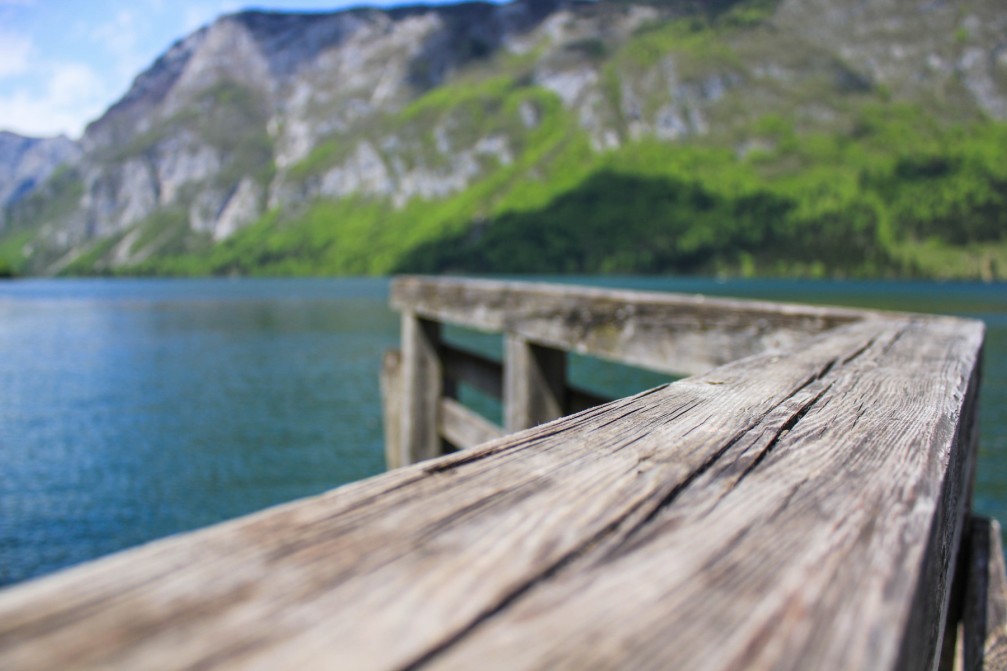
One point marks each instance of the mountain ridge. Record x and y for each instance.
(365, 140)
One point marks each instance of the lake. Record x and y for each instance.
(134, 409)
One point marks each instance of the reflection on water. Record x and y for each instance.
(130, 410)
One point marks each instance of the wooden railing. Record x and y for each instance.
(802, 501)
(668, 333)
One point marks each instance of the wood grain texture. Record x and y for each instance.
(671, 333)
(826, 505)
(932, 611)
(775, 513)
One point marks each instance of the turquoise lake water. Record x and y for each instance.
(134, 409)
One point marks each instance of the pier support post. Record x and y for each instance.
(422, 389)
(391, 405)
(534, 384)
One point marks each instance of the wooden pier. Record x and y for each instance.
(801, 501)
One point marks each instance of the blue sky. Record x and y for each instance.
(63, 62)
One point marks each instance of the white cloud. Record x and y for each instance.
(15, 54)
(71, 95)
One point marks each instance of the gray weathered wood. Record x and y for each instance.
(463, 428)
(534, 383)
(775, 513)
(830, 504)
(671, 333)
(391, 406)
(422, 389)
(985, 613)
(475, 370)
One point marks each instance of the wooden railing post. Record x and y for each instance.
(391, 405)
(422, 389)
(534, 384)
(984, 621)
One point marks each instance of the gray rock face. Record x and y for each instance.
(912, 47)
(306, 77)
(25, 163)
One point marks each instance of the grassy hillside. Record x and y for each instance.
(898, 194)
(763, 156)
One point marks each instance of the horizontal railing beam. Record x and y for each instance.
(463, 428)
(670, 333)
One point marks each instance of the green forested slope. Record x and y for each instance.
(825, 172)
(898, 194)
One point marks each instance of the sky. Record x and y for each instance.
(63, 62)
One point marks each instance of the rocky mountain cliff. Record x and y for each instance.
(26, 163)
(371, 140)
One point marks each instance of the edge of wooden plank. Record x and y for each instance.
(931, 610)
(409, 292)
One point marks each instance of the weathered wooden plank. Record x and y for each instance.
(666, 332)
(534, 383)
(475, 370)
(805, 544)
(773, 513)
(463, 428)
(931, 611)
(422, 389)
(391, 406)
(984, 640)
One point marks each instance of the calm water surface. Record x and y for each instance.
(134, 409)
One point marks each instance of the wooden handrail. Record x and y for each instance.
(668, 333)
(793, 509)
(672, 333)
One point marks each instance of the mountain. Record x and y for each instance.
(26, 163)
(805, 137)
